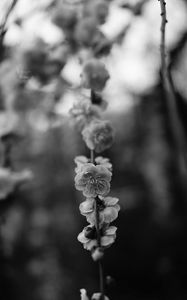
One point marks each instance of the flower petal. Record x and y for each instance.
(103, 187)
(81, 159)
(91, 218)
(90, 245)
(90, 190)
(110, 201)
(80, 180)
(110, 214)
(97, 296)
(110, 230)
(87, 206)
(103, 173)
(81, 238)
(107, 240)
(83, 294)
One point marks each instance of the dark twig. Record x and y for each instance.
(176, 126)
(3, 25)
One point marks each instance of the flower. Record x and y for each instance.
(81, 160)
(94, 75)
(98, 8)
(103, 161)
(96, 296)
(85, 31)
(93, 180)
(108, 209)
(88, 237)
(83, 112)
(10, 180)
(98, 135)
(83, 294)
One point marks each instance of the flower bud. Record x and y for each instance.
(94, 75)
(97, 254)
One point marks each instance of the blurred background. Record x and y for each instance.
(43, 44)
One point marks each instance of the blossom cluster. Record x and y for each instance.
(94, 174)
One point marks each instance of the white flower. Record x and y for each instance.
(108, 209)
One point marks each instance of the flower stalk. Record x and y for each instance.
(96, 208)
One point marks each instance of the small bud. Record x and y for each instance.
(94, 75)
(97, 254)
(110, 281)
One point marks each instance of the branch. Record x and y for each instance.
(3, 25)
(175, 123)
(96, 208)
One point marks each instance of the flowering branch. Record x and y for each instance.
(93, 175)
(176, 126)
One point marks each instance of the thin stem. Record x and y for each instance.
(3, 26)
(92, 159)
(175, 123)
(96, 208)
(7, 155)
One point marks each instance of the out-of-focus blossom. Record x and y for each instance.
(98, 8)
(65, 17)
(9, 126)
(42, 62)
(83, 112)
(85, 31)
(9, 180)
(108, 209)
(101, 45)
(98, 135)
(88, 237)
(93, 180)
(103, 161)
(94, 75)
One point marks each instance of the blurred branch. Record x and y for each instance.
(135, 8)
(176, 51)
(176, 126)
(3, 26)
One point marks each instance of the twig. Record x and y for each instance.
(176, 126)
(96, 208)
(3, 25)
